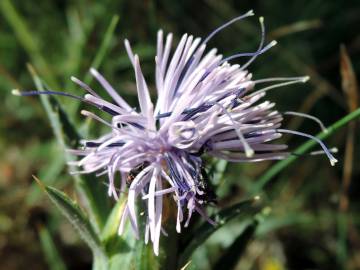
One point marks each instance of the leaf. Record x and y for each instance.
(292, 218)
(124, 259)
(77, 218)
(93, 191)
(243, 210)
(144, 257)
(113, 242)
(233, 253)
(133, 253)
(112, 223)
(52, 256)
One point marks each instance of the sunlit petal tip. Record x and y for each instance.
(16, 92)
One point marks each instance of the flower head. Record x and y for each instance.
(205, 106)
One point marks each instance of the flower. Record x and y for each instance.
(205, 105)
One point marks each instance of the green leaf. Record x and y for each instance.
(243, 210)
(50, 251)
(112, 223)
(132, 253)
(124, 257)
(113, 242)
(144, 257)
(77, 218)
(233, 253)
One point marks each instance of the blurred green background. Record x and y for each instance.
(313, 220)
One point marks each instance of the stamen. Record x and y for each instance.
(16, 92)
(316, 153)
(300, 80)
(259, 51)
(262, 26)
(94, 116)
(254, 55)
(332, 159)
(276, 79)
(109, 89)
(249, 152)
(163, 115)
(160, 192)
(84, 86)
(217, 30)
(317, 120)
(95, 144)
(333, 150)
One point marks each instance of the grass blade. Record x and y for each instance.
(101, 53)
(50, 251)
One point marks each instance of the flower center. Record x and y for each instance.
(183, 134)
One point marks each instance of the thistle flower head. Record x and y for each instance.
(205, 105)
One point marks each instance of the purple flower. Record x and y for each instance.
(205, 106)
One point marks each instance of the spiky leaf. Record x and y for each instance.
(77, 218)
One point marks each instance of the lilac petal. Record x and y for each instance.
(111, 190)
(158, 219)
(133, 191)
(143, 95)
(129, 51)
(112, 92)
(179, 217)
(147, 231)
(102, 102)
(84, 86)
(160, 192)
(151, 203)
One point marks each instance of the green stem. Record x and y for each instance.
(100, 262)
(279, 166)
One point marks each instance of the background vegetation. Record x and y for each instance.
(312, 218)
